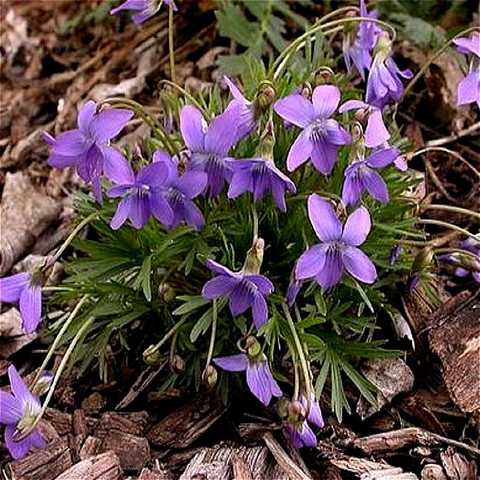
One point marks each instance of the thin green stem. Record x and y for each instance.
(425, 66)
(449, 208)
(171, 46)
(296, 379)
(56, 378)
(57, 289)
(187, 95)
(298, 346)
(255, 223)
(213, 335)
(279, 64)
(169, 333)
(450, 226)
(455, 250)
(59, 336)
(70, 238)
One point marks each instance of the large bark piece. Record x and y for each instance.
(105, 466)
(25, 213)
(455, 338)
(186, 424)
(45, 464)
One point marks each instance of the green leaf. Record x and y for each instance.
(192, 303)
(202, 325)
(143, 278)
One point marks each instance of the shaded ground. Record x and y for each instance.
(55, 55)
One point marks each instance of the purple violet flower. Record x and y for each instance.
(179, 191)
(18, 410)
(470, 245)
(259, 176)
(360, 176)
(22, 288)
(209, 146)
(376, 133)
(246, 117)
(360, 51)
(321, 135)
(260, 380)
(245, 290)
(384, 82)
(337, 250)
(87, 148)
(314, 415)
(395, 254)
(142, 196)
(145, 8)
(469, 88)
(298, 429)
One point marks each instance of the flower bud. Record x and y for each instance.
(43, 384)
(177, 364)
(253, 347)
(265, 97)
(254, 259)
(152, 357)
(166, 293)
(210, 376)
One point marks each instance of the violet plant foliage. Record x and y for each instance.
(216, 199)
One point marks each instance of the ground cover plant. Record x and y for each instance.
(255, 239)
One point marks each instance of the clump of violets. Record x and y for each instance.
(338, 249)
(245, 289)
(260, 380)
(26, 290)
(146, 9)
(18, 410)
(321, 135)
(209, 145)
(361, 176)
(359, 51)
(88, 149)
(469, 88)
(260, 176)
(384, 83)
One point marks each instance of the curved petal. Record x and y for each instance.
(324, 156)
(11, 409)
(116, 167)
(61, 161)
(278, 194)
(218, 287)
(358, 265)
(262, 283)
(19, 449)
(219, 269)
(376, 132)
(336, 134)
(153, 175)
(192, 183)
(11, 287)
(308, 437)
(240, 300)
(232, 363)
(31, 307)
(236, 93)
(161, 209)
(71, 143)
(468, 89)
(118, 191)
(242, 182)
(272, 384)
(325, 100)
(332, 271)
(259, 310)
(300, 151)
(129, 5)
(352, 190)
(123, 210)
(193, 215)
(352, 105)
(383, 157)
(139, 212)
(85, 117)
(357, 227)
(222, 132)
(310, 262)
(110, 123)
(323, 219)
(375, 185)
(295, 109)
(18, 386)
(193, 128)
(256, 383)
(36, 440)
